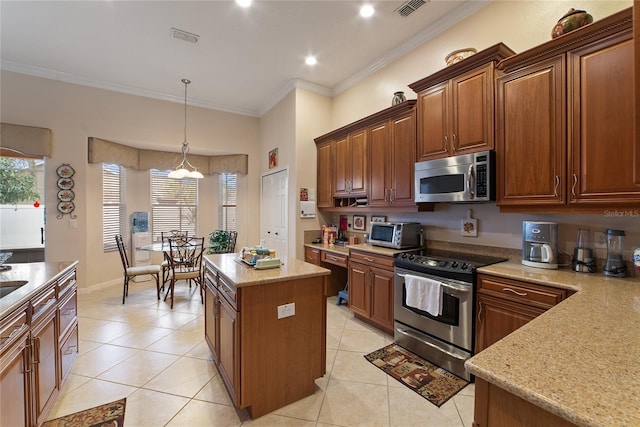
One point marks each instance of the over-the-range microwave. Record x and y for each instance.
(458, 179)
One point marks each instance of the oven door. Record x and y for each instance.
(454, 325)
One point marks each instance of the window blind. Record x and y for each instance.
(228, 200)
(113, 190)
(174, 204)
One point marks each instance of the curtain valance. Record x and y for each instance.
(101, 150)
(28, 141)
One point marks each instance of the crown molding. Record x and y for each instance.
(130, 90)
(467, 9)
(291, 85)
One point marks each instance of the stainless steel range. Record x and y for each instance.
(445, 339)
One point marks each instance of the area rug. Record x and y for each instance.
(435, 384)
(107, 415)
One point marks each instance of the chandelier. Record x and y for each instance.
(181, 170)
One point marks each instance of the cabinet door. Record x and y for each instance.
(359, 158)
(45, 365)
(211, 319)
(604, 156)
(379, 170)
(229, 362)
(433, 140)
(342, 167)
(382, 298)
(497, 318)
(472, 111)
(359, 289)
(531, 146)
(14, 373)
(403, 158)
(325, 172)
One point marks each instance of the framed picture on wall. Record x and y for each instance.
(378, 218)
(359, 222)
(273, 158)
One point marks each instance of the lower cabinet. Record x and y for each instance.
(504, 305)
(35, 355)
(371, 289)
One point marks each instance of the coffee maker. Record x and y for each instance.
(540, 244)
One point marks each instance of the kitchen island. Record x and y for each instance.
(266, 330)
(576, 364)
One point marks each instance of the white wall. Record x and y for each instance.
(75, 113)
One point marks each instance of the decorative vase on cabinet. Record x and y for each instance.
(398, 98)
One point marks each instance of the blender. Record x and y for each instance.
(582, 258)
(614, 266)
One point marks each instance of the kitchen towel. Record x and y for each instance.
(424, 294)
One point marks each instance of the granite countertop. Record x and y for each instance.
(38, 275)
(579, 360)
(360, 246)
(242, 274)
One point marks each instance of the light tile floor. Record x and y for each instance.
(158, 359)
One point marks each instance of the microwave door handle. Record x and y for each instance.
(471, 183)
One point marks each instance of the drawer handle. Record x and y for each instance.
(334, 258)
(71, 349)
(69, 312)
(368, 259)
(47, 303)
(522, 294)
(15, 331)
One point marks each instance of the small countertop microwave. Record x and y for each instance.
(458, 179)
(396, 235)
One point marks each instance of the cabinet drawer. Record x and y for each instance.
(66, 282)
(68, 312)
(43, 303)
(312, 255)
(12, 326)
(210, 273)
(68, 352)
(381, 261)
(528, 293)
(333, 258)
(228, 290)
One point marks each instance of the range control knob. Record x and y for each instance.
(464, 266)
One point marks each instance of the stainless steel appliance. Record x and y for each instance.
(614, 265)
(396, 235)
(446, 339)
(465, 178)
(582, 258)
(540, 244)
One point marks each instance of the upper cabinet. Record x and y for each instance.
(455, 106)
(565, 121)
(369, 164)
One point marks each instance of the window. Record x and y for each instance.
(113, 208)
(228, 196)
(174, 204)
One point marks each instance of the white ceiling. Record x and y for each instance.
(245, 60)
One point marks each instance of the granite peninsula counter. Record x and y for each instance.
(580, 360)
(266, 330)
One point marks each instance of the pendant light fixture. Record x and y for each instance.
(181, 170)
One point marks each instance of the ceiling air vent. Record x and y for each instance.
(409, 7)
(183, 35)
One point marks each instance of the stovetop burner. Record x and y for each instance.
(459, 265)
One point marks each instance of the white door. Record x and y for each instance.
(273, 228)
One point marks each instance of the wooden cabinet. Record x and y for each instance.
(39, 344)
(351, 164)
(371, 162)
(455, 106)
(371, 288)
(504, 305)
(326, 159)
(312, 255)
(392, 144)
(558, 112)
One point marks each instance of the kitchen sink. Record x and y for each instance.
(8, 286)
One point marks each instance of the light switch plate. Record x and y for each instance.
(286, 310)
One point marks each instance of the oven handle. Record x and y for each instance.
(430, 344)
(450, 285)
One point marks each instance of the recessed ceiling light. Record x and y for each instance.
(310, 60)
(244, 3)
(366, 11)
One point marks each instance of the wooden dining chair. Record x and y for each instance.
(166, 265)
(131, 272)
(185, 259)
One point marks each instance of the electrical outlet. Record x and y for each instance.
(286, 310)
(599, 240)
